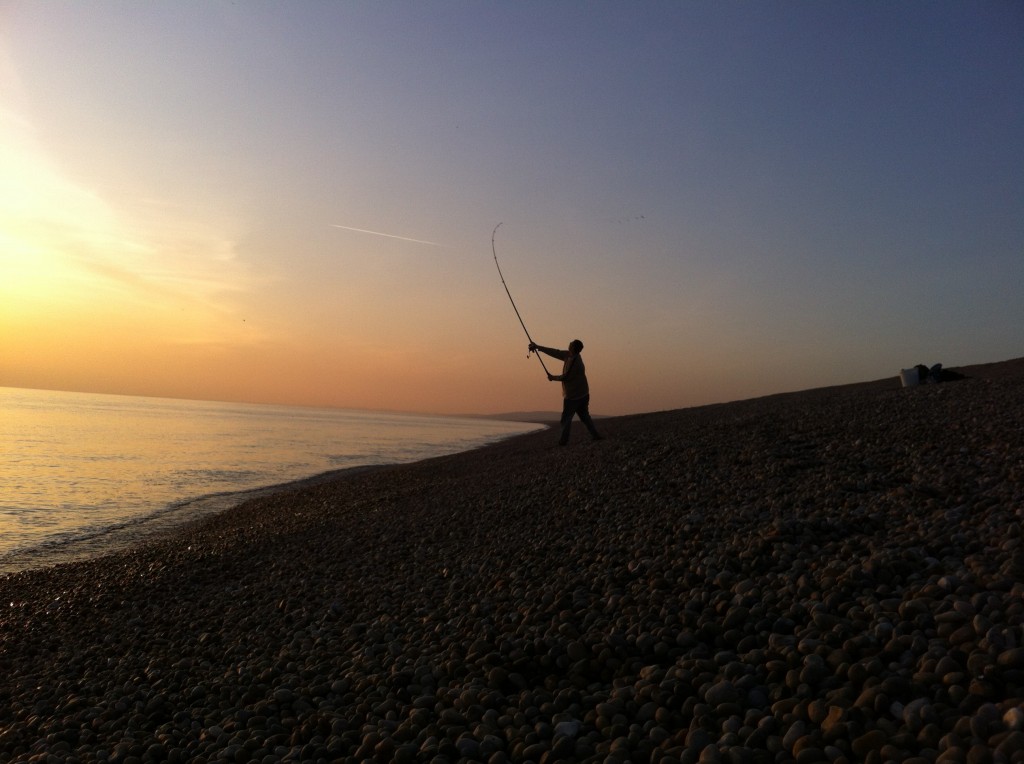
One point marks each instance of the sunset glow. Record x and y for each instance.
(297, 206)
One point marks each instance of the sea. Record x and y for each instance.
(84, 474)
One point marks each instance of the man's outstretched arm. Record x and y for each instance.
(561, 355)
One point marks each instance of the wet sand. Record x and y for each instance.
(831, 575)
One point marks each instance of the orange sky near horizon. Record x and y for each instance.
(296, 207)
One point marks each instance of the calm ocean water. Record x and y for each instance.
(82, 474)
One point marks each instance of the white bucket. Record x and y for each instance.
(909, 377)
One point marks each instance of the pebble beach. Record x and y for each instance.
(834, 575)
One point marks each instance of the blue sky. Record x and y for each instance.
(721, 199)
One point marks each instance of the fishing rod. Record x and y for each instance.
(502, 276)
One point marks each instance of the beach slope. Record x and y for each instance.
(830, 575)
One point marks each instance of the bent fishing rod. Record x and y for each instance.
(502, 276)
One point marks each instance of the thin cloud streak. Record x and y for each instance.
(389, 235)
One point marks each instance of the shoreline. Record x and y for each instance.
(828, 575)
(89, 544)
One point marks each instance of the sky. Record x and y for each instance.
(294, 202)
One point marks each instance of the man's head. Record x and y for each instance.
(576, 346)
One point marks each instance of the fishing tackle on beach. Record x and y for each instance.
(502, 276)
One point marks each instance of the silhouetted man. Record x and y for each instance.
(575, 390)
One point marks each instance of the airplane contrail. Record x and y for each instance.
(389, 235)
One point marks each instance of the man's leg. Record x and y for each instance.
(583, 411)
(568, 409)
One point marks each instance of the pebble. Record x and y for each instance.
(832, 575)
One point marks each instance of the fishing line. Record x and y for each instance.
(502, 276)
